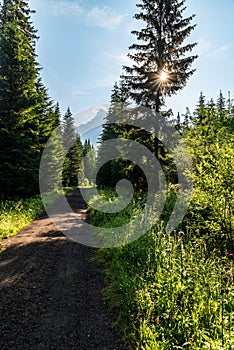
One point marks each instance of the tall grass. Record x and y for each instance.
(171, 292)
(16, 214)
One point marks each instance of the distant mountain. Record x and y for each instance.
(88, 123)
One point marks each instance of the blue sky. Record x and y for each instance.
(83, 45)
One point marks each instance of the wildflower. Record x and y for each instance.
(181, 233)
(230, 255)
(136, 292)
(157, 320)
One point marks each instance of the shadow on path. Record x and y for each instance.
(51, 292)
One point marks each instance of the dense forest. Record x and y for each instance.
(172, 290)
(28, 116)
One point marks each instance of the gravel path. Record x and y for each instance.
(51, 292)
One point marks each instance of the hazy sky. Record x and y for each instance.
(83, 45)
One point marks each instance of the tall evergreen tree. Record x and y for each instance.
(112, 171)
(200, 112)
(69, 132)
(187, 116)
(52, 163)
(22, 132)
(161, 64)
(72, 143)
(48, 115)
(221, 102)
(89, 160)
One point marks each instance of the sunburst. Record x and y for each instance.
(163, 76)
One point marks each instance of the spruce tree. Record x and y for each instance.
(112, 171)
(201, 109)
(52, 164)
(72, 143)
(187, 117)
(89, 161)
(221, 105)
(48, 115)
(161, 64)
(22, 133)
(105, 174)
(221, 102)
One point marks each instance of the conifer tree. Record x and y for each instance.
(201, 109)
(109, 173)
(221, 102)
(48, 115)
(72, 143)
(89, 161)
(222, 107)
(52, 164)
(161, 64)
(187, 116)
(25, 110)
(18, 74)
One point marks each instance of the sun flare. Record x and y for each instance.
(163, 76)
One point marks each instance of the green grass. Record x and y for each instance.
(14, 215)
(171, 292)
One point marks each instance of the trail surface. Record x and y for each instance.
(51, 291)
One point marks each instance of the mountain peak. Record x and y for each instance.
(83, 117)
(89, 123)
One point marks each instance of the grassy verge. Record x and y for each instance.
(14, 215)
(171, 291)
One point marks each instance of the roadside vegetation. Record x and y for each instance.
(16, 214)
(171, 291)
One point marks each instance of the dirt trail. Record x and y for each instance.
(51, 291)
